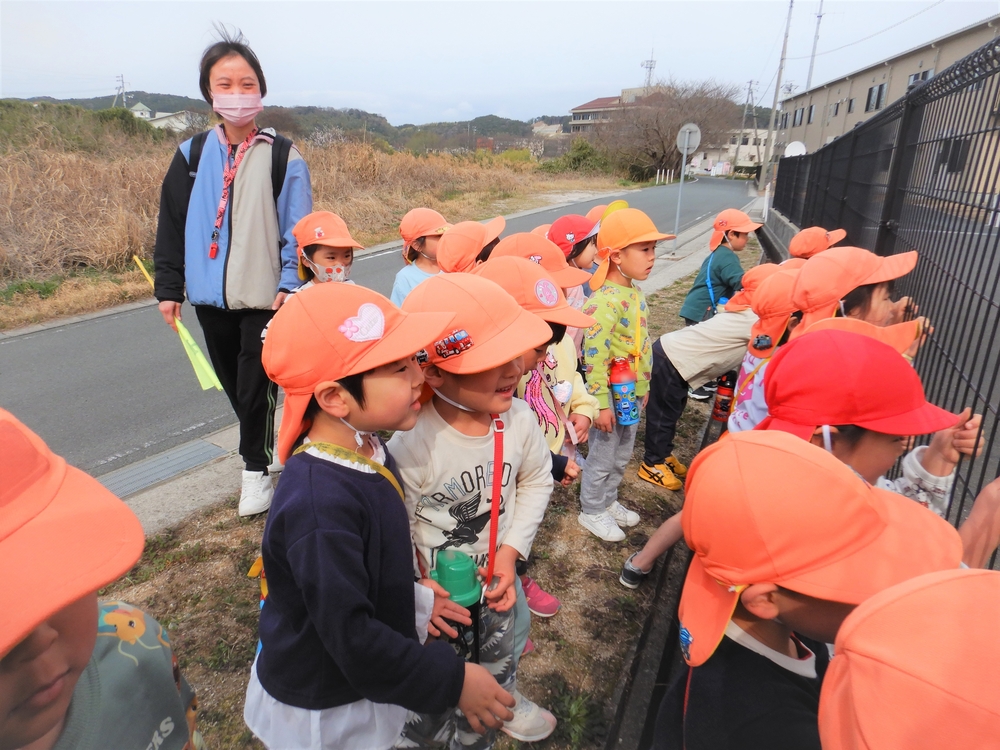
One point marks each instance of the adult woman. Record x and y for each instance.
(225, 236)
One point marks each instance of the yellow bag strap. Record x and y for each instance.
(348, 455)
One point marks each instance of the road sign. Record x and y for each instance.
(688, 139)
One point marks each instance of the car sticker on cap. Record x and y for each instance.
(367, 325)
(546, 292)
(455, 343)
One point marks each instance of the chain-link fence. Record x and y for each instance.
(923, 175)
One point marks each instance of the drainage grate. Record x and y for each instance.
(142, 474)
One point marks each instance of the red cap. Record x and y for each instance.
(772, 302)
(331, 331)
(813, 240)
(544, 252)
(730, 220)
(830, 276)
(836, 378)
(566, 231)
(751, 280)
(534, 289)
(769, 508)
(917, 666)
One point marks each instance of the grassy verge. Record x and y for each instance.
(193, 579)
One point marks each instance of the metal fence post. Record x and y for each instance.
(899, 174)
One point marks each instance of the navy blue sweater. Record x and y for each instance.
(338, 624)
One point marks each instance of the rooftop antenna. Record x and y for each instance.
(649, 65)
(812, 58)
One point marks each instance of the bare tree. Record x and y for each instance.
(641, 136)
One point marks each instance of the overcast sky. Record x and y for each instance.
(421, 62)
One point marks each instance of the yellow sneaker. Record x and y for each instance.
(659, 475)
(676, 466)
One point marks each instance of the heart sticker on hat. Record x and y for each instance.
(367, 325)
(546, 292)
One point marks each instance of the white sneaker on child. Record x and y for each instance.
(622, 515)
(531, 722)
(601, 525)
(255, 497)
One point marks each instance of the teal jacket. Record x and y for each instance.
(727, 279)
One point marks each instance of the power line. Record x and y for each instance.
(870, 36)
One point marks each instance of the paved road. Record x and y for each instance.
(113, 390)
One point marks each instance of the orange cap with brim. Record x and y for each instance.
(900, 336)
(420, 222)
(836, 377)
(543, 252)
(489, 329)
(596, 212)
(534, 289)
(542, 230)
(827, 278)
(464, 241)
(821, 531)
(331, 331)
(619, 229)
(322, 228)
(730, 220)
(772, 303)
(62, 534)
(917, 666)
(751, 280)
(813, 240)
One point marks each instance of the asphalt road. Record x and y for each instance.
(116, 389)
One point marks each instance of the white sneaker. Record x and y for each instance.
(531, 722)
(275, 467)
(255, 497)
(601, 525)
(622, 515)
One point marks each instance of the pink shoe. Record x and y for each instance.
(529, 647)
(540, 602)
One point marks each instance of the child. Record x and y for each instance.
(862, 401)
(326, 249)
(576, 236)
(475, 468)
(777, 566)
(76, 672)
(341, 661)
(421, 230)
(776, 319)
(546, 254)
(627, 242)
(468, 244)
(901, 679)
(720, 274)
(814, 240)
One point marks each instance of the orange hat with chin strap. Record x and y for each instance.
(730, 220)
(464, 241)
(619, 229)
(813, 240)
(917, 666)
(751, 280)
(899, 336)
(772, 302)
(542, 230)
(596, 212)
(321, 228)
(420, 222)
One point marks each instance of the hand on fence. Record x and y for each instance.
(900, 309)
(949, 445)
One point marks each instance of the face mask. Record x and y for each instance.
(237, 109)
(324, 274)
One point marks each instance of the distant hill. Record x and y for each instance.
(156, 102)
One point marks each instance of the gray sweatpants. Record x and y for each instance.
(607, 458)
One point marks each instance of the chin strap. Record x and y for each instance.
(498, 429)
(827, 439)
(449, 401)
(357, 433)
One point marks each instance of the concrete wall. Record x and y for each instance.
(775, 235)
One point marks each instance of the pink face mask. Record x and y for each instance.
(237, 109)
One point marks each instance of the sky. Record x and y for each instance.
(418, 62)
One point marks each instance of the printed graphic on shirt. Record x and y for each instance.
(539, 394)
(128, 624)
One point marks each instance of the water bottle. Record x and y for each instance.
(622, 381)
(456, 572)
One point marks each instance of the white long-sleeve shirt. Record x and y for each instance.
(918, 484)
(447, 482)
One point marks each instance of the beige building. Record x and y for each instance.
(587, 116)
(817, 116)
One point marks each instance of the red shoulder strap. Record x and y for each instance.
(498, 428)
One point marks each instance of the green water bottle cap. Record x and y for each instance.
(457, 573)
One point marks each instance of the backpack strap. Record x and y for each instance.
(197, 144)
(280, 149)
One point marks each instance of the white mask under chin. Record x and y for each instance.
(323, 274)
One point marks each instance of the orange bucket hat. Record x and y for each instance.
(489, 327)
(464, 241)
(899, 336)
(751, 280)
(542, 230)
(813, 240)
(596, 212)
(543, 252)
(917, 666)
(772, 302)
(322, 228)
(329, 332)
(820, 530)
(62, 534)
(619, 229)
(420, 222)
(730, 220)
(534, 289)
(827, 278)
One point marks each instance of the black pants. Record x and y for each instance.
(234, 346)
(668, 394)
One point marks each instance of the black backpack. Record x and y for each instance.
(279, 158)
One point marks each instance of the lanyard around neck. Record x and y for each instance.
(228, 176)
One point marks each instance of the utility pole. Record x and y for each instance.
(812, 58)
(119, 89)
(756, 134)
(771, 130)
(743, 125)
